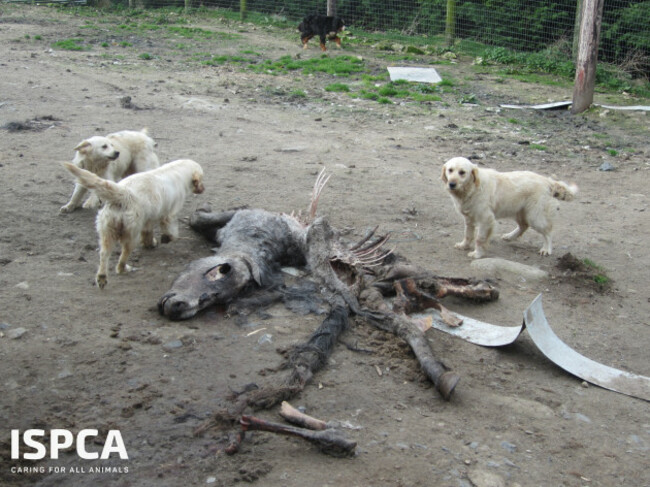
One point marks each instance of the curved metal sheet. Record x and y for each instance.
(558, 352)
(565, 357)
(474, 331)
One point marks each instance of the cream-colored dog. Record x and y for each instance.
(113, 157)
(484, 195)
(133, 206)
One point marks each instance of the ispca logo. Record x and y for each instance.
(37, 444)
(61, 439)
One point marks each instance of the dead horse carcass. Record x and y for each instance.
(255, 244)
(252, 246)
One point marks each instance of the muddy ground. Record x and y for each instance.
(74, 357)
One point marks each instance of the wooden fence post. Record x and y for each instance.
(331, 8)
(576, 31)
(242, 9)
(450, 23)
(583, 87)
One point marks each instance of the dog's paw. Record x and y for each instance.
(91, 203)
(462, 245)
(151, 243)
(475, 254)
(67, 208)
(124, 269)
(544, 252)
(101, 280)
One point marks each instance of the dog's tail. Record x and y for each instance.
(106, 190)
(563, 191)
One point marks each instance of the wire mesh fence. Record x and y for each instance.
(531, 25)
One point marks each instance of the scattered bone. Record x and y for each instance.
(291, 414)
(329, 441)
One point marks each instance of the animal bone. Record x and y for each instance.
(401, 325)
(291, 414)
(410, 299)
(330, 441)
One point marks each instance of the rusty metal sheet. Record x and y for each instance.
(565, 357)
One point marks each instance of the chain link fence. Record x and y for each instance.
(532, 25)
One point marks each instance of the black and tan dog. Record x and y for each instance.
(322, 26)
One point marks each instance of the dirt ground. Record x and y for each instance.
(74, 357)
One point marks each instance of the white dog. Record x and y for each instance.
(484, 195)
(136, 204)
(113, 157)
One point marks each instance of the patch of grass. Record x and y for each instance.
(400, 89)
(75, 44)
(146, 27)
(374, 77)
(590, 263)
(198, 33)
(599, 277)
(89, 26)
(335, 66)
(393, 89)
(612, 152)
(337, 87)
(368, 95)
(146, 56)
(556, 61)
(538, 147)
(552, 61)
(424, 92)
(211, 60)
(470, 98)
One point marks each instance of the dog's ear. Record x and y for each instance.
(83, 146)
(197, 183)
(443, 176)
(475, 177)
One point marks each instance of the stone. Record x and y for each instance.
(495, 267)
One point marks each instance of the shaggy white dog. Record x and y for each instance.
(133, 206)
(482, 196)
(113, 157)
